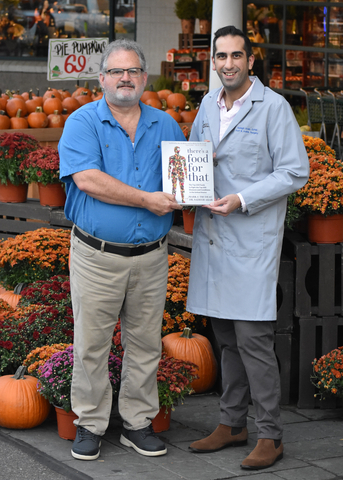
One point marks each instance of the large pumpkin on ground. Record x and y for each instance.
(197, 349)
(21, 405)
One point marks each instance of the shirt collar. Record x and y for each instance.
(239, 102)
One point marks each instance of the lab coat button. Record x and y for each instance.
(211, 242)
(211, 215)
(215, 163)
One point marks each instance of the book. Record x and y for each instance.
(187, 172)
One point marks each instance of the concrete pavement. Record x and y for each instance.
(313, 441)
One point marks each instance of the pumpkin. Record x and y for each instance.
(14, 104)
(83, 98)
(64, 93)
(5, 123)
(164, 94)
(51, 92)
(149, 94)
(38, 118)
(188, 116)
(176, 100)
(197, 349)
(3, 102)
(33, 102)
(21, 405)
(175, 114)
(70, 104)
(79, 90)
(51, 104)
(55, 120)
(154, 102)
(97, 94)
(10, 297)
(18, 122)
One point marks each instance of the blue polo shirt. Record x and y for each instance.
(93, 139)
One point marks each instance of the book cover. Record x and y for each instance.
(187, 171)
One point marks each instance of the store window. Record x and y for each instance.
(297, 43)
(26, 26)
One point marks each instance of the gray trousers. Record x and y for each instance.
(248, 360)
(103, 286)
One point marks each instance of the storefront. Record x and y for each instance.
(298, 43)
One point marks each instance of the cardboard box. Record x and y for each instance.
(193, 85)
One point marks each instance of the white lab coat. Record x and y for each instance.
(235, 259)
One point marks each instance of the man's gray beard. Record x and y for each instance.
(122, 100)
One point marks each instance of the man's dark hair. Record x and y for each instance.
(231, 30)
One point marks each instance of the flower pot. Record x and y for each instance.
(188, 221)
(204, 26)
(161, 422)
(325, 229)
(187, 26)
(65, 425)
(52, 195)
(10, 193)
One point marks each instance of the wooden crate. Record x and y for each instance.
(318, 336)
(17, 218)
(190, 41)
(318, 276)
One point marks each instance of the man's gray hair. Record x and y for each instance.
(122, 44)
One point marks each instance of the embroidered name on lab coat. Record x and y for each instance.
(253, 131)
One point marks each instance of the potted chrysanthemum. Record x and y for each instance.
(327, 374)
(55, 378)
(14, 148)
(43, 167)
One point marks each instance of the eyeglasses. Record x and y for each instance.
(119, 72)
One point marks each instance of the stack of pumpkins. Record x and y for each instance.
(27, 110)
(173, 103)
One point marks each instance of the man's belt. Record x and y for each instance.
(124, 251)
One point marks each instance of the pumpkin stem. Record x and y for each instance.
(18, 114)
(187, 333)
(19, 374)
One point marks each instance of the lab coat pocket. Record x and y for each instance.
(242, 158)
(243, 236)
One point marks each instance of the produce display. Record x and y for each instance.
(50, 110)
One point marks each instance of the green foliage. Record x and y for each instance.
(293, 214)
(204, 9)
(186, 9)
(300, 115)
(163, 83)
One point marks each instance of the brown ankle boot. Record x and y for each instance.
(264, 455)
(221, 438)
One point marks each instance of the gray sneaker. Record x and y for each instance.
(144, 441)
(86, 445)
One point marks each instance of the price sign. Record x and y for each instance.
(75, 58)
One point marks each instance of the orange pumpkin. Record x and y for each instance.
(55, 120)
(10, 297)
(79, 90)
(38, 118)
(70, 104)
(51, 92)
(83, 98)
(176, 100)
(149, 94)
(197, 349)
(188, 116)
(14, 104)
(21, 405)
(18, 122)
(3, 102)
(164, 94)
(175, 114)
(5, 123)
(64, 94)
(51, 104)
(154, 102)
(33, 102)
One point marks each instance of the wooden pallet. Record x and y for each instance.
(17, 218)
(318, 336)
(318, 276)
(190, 41)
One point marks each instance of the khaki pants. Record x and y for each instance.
(103, 286)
